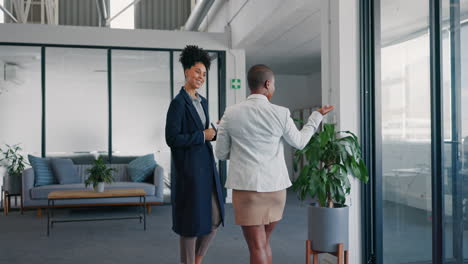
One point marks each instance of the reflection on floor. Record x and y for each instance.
(407, 236)
(23, 238)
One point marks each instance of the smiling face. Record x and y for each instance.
(195, 76)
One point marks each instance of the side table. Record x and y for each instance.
(4, 203)
(88, 194)
(7, 201)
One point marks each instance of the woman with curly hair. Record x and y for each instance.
(196, 194)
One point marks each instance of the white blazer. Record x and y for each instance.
(251, 136)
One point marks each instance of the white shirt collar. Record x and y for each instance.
(257, 96)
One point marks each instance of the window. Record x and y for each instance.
(77, 106)
(20, 97)
(141, 94)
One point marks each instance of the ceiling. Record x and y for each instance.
(289, 41)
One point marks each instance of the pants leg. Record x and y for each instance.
(198, 246)
(194, 246)
(187, 249)
(203, 243)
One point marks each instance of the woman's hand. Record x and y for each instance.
(325, 109)
(210, 133)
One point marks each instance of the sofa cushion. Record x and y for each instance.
(141, 168)
(116, 159)
(41, 192)
(42, 172)
(64, 171)
(77, 158)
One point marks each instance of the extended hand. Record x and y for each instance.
(325, 109)
(210, 133)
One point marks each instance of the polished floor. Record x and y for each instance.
(23, 238)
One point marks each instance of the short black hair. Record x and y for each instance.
(192, 54)
(258, 75)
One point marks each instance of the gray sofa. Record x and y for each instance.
(36, 196)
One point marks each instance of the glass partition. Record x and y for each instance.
(84, 111)
(455, 128)
(406, 131)
(21, 97)
(77, 108)
(141, 96)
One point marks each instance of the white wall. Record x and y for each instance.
(235, 69)
(75, 35)
(340, 87)
(297, 92)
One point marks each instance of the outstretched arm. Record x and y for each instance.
(299, 139)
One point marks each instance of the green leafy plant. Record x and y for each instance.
(99, 173)
(329, 160)
(14, 162)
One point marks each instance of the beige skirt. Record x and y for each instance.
(258, 208)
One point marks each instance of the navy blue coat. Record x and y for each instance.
(194, 174)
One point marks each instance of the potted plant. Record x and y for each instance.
(330, 158)
(15, 164)
(99, 174)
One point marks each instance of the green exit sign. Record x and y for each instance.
(235, 83)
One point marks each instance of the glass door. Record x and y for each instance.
(408, 217)
(455, 128)
(405, 96)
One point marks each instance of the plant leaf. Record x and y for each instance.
(364, 173)
(330, 158)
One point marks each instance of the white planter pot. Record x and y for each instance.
(99, 187)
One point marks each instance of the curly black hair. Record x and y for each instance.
(192, 54)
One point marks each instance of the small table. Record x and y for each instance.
(87, 194)
(6, 198)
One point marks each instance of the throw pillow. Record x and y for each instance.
(141, 168)
(64, 171)
(42, 173)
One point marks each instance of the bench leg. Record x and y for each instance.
(39, 212)
(148, 208)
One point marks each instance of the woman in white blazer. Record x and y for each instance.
(251, 135)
